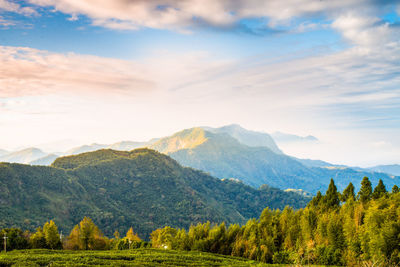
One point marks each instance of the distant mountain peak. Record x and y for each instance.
(281, 137)
(186, 139)
(248, 137)
(23, 156)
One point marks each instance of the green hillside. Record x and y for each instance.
(223, 156)
(118, 189)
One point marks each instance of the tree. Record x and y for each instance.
(348, 193)
(86, 235)
(316, 200)
(395, 189)
(365, 192)
(132, 236)
(38, 240)
(380, 190)
(164, 238)
(15, 238)
(51, 235)
(331, 198)
(87, 232)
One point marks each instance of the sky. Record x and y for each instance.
(84, 71)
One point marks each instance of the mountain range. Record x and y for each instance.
(393, 169)
(141, 188)
(280, 137)
(234, 152)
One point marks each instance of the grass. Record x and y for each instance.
(137, 257)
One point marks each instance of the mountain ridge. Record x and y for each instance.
(118, 189)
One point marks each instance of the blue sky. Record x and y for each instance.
(105, 71)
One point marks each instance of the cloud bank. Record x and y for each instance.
(26, 71)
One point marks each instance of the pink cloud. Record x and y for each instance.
(27, 71)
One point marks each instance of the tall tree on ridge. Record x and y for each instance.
(331, 198)
(365, 192)
(380, 190)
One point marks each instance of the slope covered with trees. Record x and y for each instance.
(118, 189)
(225, 157)
(334, 229)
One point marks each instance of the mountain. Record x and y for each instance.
(85, 148)
(3, 152)
(127, 145)
(124, 145)
(186, 139)
(225, 157)
(313, 163)
(392, 169)
(249, 138)
(280, 137)
(23, 156)
(319, 163)
(45, 161)
(119, 189)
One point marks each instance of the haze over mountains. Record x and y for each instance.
(234, 152)
(393, 169)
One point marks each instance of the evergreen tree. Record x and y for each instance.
(380, 190)
(331, 198)
(365, 192)
(51, 235)
(316, 201)
(395, 189)
(348, 193)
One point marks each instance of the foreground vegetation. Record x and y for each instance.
(135, 257)
(334, 229)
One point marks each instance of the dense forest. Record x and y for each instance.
(334, 229)
(119, 189)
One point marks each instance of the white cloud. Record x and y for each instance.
(170, 14)
(168, 92)
(16, 8)
(6, 23)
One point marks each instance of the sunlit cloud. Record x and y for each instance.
(16, 8)
(26, 71)
(341, 89)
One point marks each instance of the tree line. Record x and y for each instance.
(337, 228)
(84, 236)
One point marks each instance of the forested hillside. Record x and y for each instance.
(223, 156)
(118, 189)
(340, 229)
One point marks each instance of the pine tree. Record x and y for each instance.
(348, 193)
(395, 189)
(331, 198)
(316, 200)
(380, 190)
(365, 192)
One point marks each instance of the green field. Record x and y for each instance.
(137, 257)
